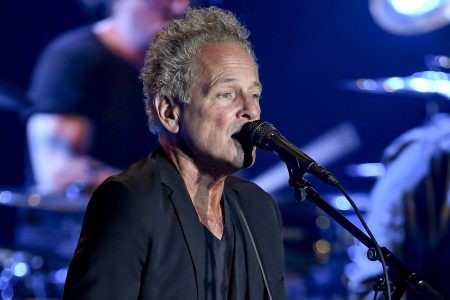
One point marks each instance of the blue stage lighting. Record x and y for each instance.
(409, 17)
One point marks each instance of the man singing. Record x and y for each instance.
(177, 225)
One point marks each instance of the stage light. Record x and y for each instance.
(322, 247)
(5, 197)
(420, 85)
(393, 84)
(20, 269)
(415, 7)
(59, 276)
(342, 203)
(409, 17)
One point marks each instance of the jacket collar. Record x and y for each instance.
(193, 229)
(187, 216)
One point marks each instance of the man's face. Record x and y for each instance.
(141, 19)
(225, 95)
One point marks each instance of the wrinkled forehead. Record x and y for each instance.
(217, 54)
(225, 63)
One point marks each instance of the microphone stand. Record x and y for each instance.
(303, 190)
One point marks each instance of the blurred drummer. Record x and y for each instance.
(88, 121)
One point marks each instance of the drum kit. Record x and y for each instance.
(56, 203)
(330, 240)
(46, 229)
(38, 232)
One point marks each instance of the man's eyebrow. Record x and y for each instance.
(208, 87)
(223, 80)
(255, 83)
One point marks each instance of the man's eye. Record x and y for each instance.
(256, 96)
(226, 95)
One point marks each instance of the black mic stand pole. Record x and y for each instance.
(303, 190)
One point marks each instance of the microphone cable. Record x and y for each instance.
(372, 237)
(264, 135)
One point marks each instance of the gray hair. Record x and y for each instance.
(169, 69)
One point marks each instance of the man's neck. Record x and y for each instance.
(204, 189)
(108, 33)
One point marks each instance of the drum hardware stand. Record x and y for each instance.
(303, 190)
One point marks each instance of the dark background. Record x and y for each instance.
(305, 50)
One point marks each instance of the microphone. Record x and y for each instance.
(264, 135)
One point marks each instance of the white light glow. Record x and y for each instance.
(442, 87)
(342, 203)
(5, 197)
(20, 269)
(395, 83)
(369, 84)
(366, 170)
(415, 7)
(420, 84)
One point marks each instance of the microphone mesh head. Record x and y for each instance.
(256, 133)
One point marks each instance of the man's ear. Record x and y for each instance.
(168, 111)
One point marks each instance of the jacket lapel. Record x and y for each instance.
(188, 219)
(255, 284)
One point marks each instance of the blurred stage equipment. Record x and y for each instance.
(418, 84)
(46, 231)
(410, 17)
(25, 276)
(437, 62)
(265, 136)
(13, 99)
(55, 203)
(327, 148)
(365, 170)
(38, 232)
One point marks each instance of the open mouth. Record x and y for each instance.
(247, 147)
(238, 136)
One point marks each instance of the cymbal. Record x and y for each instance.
(420, 83)
(58, 203)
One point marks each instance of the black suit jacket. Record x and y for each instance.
(141, 238)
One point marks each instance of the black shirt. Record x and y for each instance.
(78, 75)
(225, 260)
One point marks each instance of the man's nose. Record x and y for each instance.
(250, 108)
